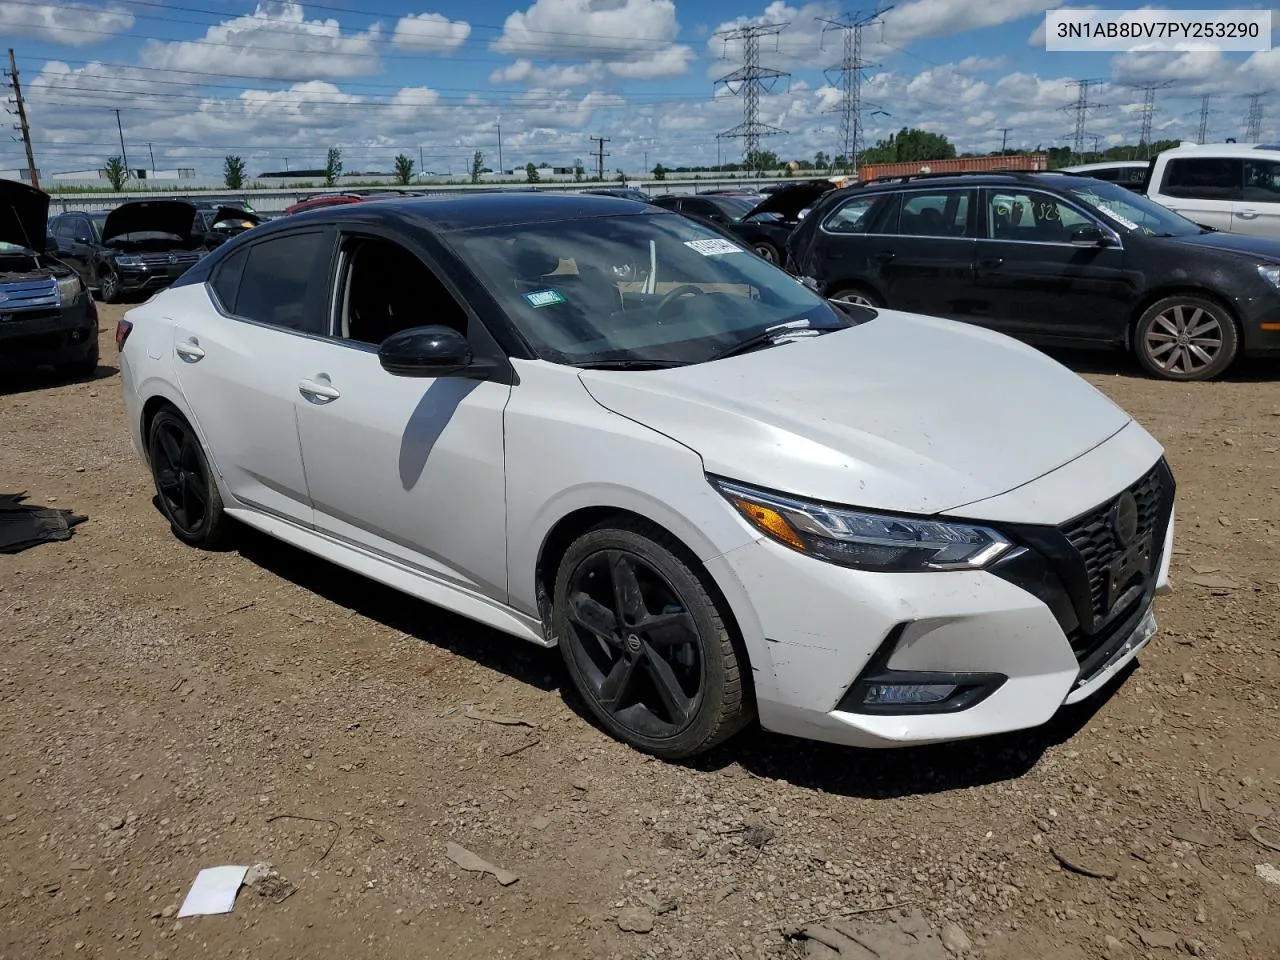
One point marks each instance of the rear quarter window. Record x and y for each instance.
(275, 282)
(226, 279)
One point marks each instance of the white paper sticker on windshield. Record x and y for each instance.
(1123, 221)
(713, 248)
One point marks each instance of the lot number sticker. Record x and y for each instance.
(544, 298)
(713, 248)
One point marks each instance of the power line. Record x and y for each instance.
(1253, 123)
(1148, 111)
(850, 75)
(1082, 107)
(32, 174)
(750, 80)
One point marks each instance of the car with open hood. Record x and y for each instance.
(138, 248)
(761, 224)
(46, 315)
(219, 222)
(593, 424)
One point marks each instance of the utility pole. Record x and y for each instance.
(1148, 112)
(32, 174)
(847, 75)
(501, 169)
(1082, 108)
(1004, 138)
(1253, 123)
(124, 157)
(422, 168)
(750, 80)
(600, 155)
(1204, 118)
(153, 156)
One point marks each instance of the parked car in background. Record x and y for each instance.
(1130, 174)
(1053, 260)
(620, 434)
(46, 315)
(315, 202)
(623, 193)
(1230, 187)
(763, 225)
(139, 247)
(218, 222)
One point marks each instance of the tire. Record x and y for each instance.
(641, 707)
(82, 369)
(858, 296)
(1185, 337)
(767, 251)
(108, 286)
(183, 479)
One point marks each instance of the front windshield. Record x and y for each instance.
(1127, 209)
(649, 287)
(98, 220)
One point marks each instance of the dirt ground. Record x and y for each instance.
(164, 710)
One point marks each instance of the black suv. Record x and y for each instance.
(46, 315)
(139, 247)
(1051, 259)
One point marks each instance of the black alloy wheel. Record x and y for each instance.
(1185, 337)
(109, 285)
(767, 251)
(857, 297)
(645, 644)
(185, 486)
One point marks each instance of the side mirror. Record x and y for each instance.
(434, 351)
(1090, 236)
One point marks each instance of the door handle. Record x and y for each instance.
(990, 264)
(884, 256)
(1247, 214)
(321, 393)
(189, 350)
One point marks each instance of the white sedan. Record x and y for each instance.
(592, 424)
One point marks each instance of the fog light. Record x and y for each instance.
(887, 694)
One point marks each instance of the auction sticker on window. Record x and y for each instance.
(713, 248)
(544, 298)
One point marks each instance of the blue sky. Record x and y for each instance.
(278, 82)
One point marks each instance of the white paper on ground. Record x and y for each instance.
(214, 891)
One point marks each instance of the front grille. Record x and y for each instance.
(1093, 538)
(29, 295)
(163, 259)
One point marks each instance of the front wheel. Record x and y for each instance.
(1185, 337)
(767, 251)
(109, 286)
(185, 485)
(857, 296)
(645, 643)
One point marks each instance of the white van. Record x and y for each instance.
(1233, 187)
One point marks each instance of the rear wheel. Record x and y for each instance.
(185, 485)
(857, 296)
(1185, 337)
(645, 643)
(767, 251)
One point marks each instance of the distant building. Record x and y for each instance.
(93, 176)
(19, 175)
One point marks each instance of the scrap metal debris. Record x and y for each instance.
(470, 861)
(1068, 864)
(23, 525)
(1255, 832)
(909, 937)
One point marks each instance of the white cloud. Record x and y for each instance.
(430, 33)
(552, 75)
(981, 64)
(597, 29)
(939, 18)
(276, 40)
(71, 24)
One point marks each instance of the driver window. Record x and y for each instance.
(387, 289)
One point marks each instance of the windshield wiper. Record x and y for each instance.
(769, 336)
(628, 364)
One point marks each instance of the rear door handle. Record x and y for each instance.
(321, 393)
(1247, 214)
(189, 350)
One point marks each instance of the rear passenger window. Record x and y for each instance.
(943, 214)
(1262, 181)
(1203, 178)
(226, 279)
(275, 281)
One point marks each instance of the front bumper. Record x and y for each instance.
(829, 631)
(140, 279)
(47, 337)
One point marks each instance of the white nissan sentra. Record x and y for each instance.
(587, 422)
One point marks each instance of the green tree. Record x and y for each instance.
(332, 166)
(659, 172)
(233, 172)
(909, 145)
(117, 173)
(820, 160)
(404, 170)
(477, 166)
(579, 171)
(531, 174)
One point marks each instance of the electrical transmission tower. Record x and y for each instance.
(750, 80)
(847, 75)
(1148, 111)
(1253, 123)
(1082, 107)
(1204, 118)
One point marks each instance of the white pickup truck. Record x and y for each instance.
(1232, 187)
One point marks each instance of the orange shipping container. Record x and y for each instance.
(1026, 162)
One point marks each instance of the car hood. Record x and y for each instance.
(147, 216)
(24, 215)
(1262, 248)
(788, 202)
(904, 413)
(235, 213)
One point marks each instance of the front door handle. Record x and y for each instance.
(1247, 214)
(990, 264)
(321, 393)
(884, 256)
(189, 350)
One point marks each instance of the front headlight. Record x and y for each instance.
(128, 260)
(1270, 274)
(867, 541)
(70, 290)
